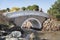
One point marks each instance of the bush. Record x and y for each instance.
(58, 17)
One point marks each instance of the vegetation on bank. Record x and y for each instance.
(13, 9)
(55, 10)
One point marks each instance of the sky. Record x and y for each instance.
(44, 4)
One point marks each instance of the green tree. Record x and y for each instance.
(8, 9)
(33, 7)
(14, 9)
(4, 10)
(58, 0)
(23, 8)
(55, 9)
(30, 8)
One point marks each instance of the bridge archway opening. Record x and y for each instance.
(31, 22)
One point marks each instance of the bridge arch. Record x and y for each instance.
(20, 17)
(31, 22)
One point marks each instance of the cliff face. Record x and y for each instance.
(51, 25)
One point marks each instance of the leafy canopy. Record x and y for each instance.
(55, 9)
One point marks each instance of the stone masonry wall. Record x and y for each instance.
(51, 25)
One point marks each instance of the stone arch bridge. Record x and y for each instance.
(20, 17)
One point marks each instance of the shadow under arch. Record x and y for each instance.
(35, 23)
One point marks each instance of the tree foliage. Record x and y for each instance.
(23, 8)
(14, 9)
(33, 7)
(3, 11)
(8, 9)
(58, 0)
(55, 9)
(30, 8)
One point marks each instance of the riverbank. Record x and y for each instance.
(49, 35)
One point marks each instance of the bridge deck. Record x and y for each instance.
(25, 13)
